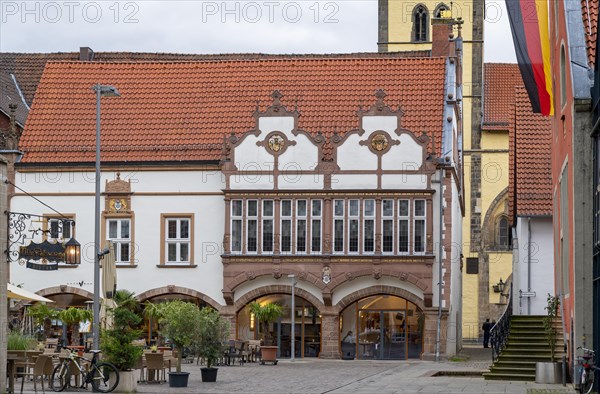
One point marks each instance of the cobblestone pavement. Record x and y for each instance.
(363, 377)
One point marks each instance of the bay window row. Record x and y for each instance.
(354, 223)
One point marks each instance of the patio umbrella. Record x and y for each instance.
(109, 272)
(106, 318)
(109, 285)
(17, 293)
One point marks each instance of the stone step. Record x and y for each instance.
(508, 376)
(513, 370)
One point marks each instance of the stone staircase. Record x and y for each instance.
(526, 345)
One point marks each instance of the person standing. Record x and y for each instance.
(487, 326)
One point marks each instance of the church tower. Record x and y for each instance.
(407, 26)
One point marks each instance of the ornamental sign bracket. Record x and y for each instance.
(45, 255)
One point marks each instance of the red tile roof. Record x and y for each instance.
(532, 167)
(28, 67)
(589, 9)
(181, 111)
(499, 81)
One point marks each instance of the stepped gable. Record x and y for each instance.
(173, 112)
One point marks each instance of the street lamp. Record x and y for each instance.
(293, 316)
(101, 91)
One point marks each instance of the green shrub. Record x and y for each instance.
(19, 341)
(117, 342)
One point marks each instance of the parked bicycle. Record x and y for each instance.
(588, 371)
(103, 376)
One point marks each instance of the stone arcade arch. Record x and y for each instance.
(174, 290)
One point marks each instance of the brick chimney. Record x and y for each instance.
(86, 54)
(441, 30)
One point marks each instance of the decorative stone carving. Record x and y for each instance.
(326, 277)
(349, 276)
(171, 288)
(377, 273)
(276, 273)
(379, 142)
(276, 143)
(302, 275)
(403, 276)
(250, 275)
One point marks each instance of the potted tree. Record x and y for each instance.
(265, 315)
(43, 315)
(181, 323)
(71, 318)
(550, 372)
(117, 344)
(213, 333)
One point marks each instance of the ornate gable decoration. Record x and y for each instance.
(118, 195)
(381, 109)
(277, 109)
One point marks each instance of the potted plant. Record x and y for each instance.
(265, 315)
(43, 315)
(16, 340)
(181, 322)
(550, 372)
(71, 318)
(117, 345)
(213, 334)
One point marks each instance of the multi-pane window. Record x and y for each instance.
(369, 226)
(387, 226)
(59, 229)
(267, 225)
(353, 225)
(403, 226)
(119, 232)
(252, 226)
(301, 211)
(286, 226)
(315, 228)
(338, 225)
(419, 226)
(236, 226)
(178, 240)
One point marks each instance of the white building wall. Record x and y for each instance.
(200, 195)
(540, 262)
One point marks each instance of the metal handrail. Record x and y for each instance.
(500, 331)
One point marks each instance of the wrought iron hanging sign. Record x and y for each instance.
(43, 256)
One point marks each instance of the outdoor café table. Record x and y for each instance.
(12, 357)
(11, 367)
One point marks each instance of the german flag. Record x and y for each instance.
(529, 26)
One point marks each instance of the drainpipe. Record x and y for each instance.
(440, 271)
(529, 264)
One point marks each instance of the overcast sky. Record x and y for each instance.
(203, 26)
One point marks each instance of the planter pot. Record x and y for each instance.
(268, 354)
(548, 372)
(178, 379)
(127, 382)
(209, 374)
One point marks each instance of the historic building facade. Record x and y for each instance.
(341, 182)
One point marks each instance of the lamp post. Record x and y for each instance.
(101, 91)
(293, 334)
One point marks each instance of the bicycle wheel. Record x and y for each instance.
(60, 377)
(587, 381)
(105, 377)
